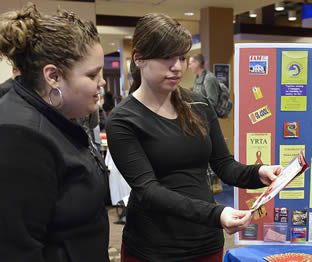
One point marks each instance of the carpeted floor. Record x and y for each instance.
(227, 196)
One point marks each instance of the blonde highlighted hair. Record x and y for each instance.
(31, 40)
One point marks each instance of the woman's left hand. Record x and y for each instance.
(267, 174)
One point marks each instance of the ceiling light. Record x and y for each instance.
(252, 13)
(279, 6)
(292, 16)
(189, 13)
(128, 37)
(112, 44)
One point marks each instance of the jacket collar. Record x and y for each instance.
(70, 127)
(200, 79)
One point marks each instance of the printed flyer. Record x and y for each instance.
(258, 152)
(294, 81)
(296, 167)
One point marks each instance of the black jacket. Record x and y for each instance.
(52, 189)
(5, 86)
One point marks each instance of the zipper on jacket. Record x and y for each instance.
(93, 152)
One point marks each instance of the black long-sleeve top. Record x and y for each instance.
(172, 215)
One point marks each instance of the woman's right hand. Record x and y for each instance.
(233, 220)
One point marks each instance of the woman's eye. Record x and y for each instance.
(183, 58)
(92, 76)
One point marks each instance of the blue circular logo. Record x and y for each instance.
(294, 69)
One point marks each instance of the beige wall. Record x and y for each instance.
(10, 5)
(5, 70)
(188, 79)
(192, 26)
(125, 58)
(85, 10)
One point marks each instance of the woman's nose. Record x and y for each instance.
(177, 64)
(102, 82)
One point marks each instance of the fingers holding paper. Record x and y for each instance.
(233, 220)
(267, 174)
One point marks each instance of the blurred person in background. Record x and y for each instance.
(205, 82)
(109, 102)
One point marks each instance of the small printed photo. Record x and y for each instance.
(291, 129)
(298, 234)
(250, 232)
(281, 214)
(299, 217)
(260, 212)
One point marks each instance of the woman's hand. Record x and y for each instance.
(267, 174)
(233, 220)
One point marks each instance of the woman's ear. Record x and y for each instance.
(51, 75)
(138, 59)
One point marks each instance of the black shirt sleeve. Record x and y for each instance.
(28, 188)
(222, 162)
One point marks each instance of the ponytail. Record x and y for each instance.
(136, 76)
(189, 120)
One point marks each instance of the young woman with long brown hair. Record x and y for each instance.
(161, 138)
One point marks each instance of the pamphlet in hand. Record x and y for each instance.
(296, 167)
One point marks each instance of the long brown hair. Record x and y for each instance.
(31, 40)
(160, 36)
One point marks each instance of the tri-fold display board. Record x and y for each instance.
(273, 123)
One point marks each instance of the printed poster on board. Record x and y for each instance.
(258, 152)
(294, 81)
(258, 65)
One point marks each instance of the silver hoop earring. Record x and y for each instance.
(56, 97)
